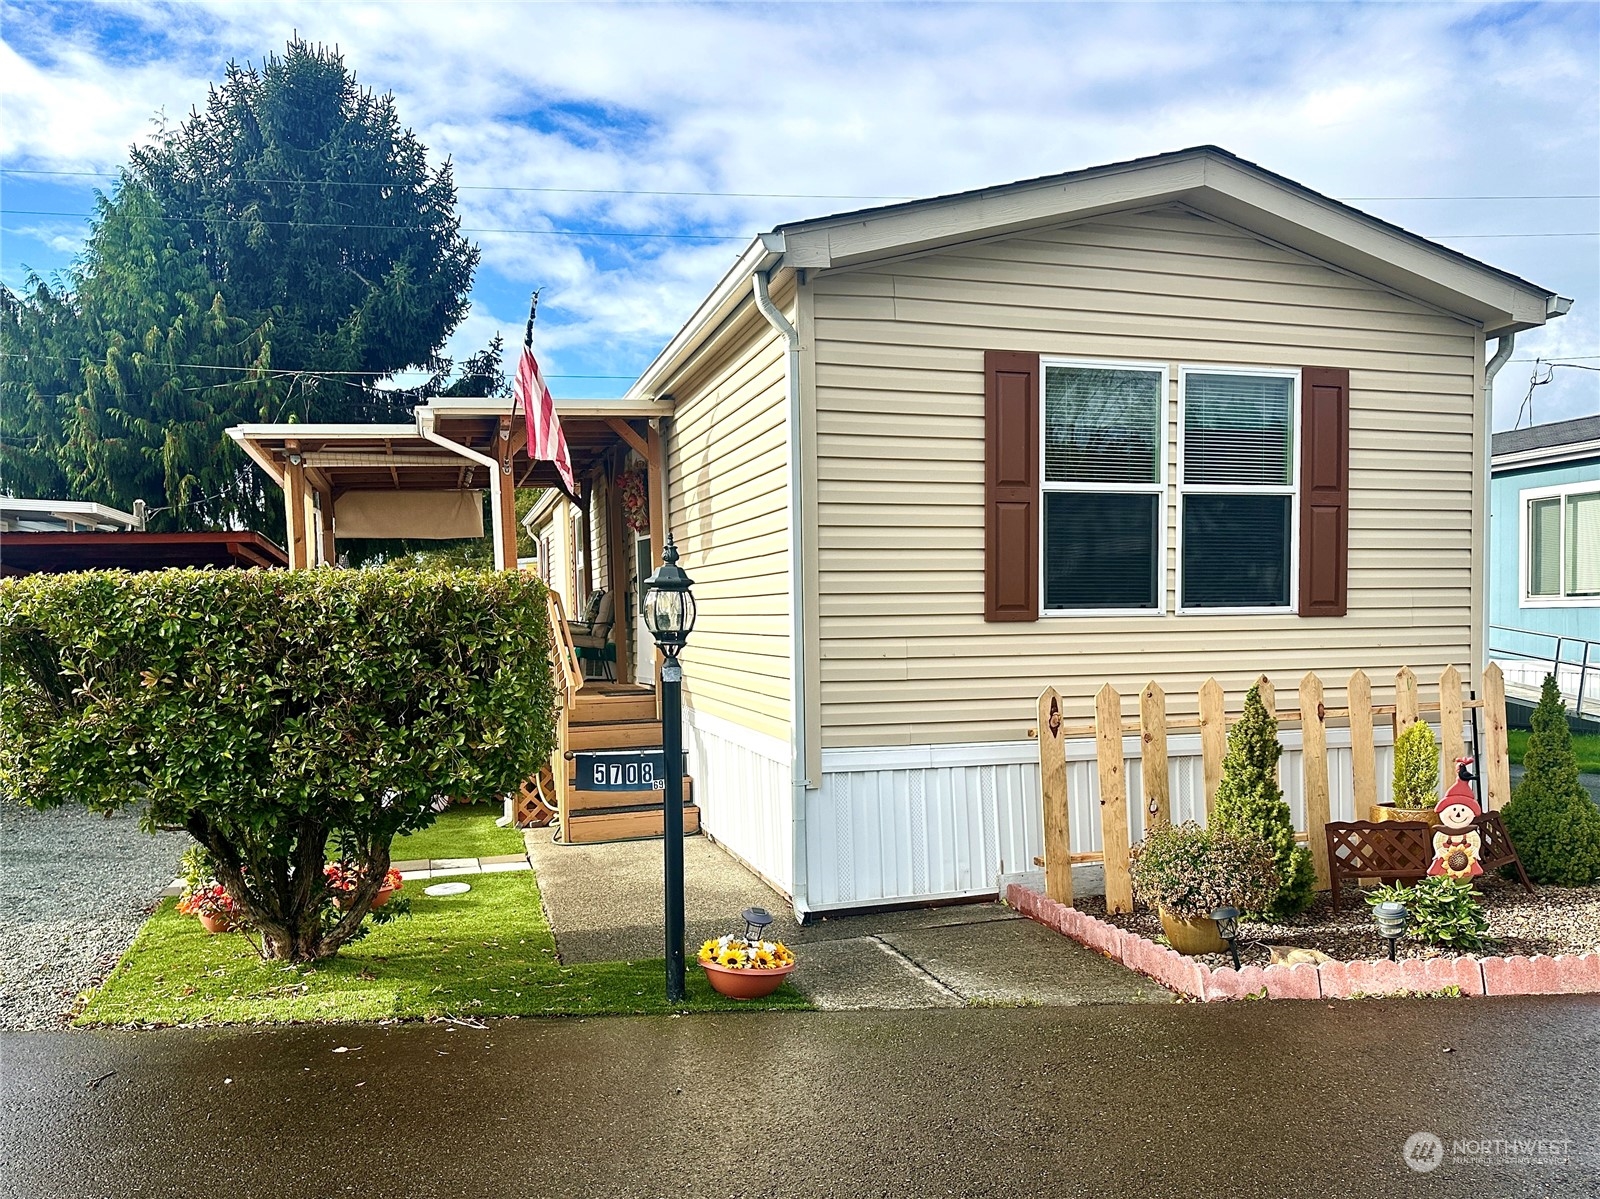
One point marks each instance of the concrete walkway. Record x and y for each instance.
(604, 903)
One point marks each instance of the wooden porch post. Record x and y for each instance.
(656, 468)
(505, 519)
(617, 572)
(295, 502)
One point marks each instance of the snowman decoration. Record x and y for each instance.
(1457, 845)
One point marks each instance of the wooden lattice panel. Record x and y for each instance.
(1401, 852)
(535, 805)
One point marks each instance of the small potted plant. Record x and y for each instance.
(343, 879)
(203, 896)
(1416, 777)
(1187, 872)
(745, 967)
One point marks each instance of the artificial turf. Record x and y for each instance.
(489, 952)
(462, 831)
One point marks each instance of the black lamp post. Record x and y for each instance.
(1228, 929)
(669, 613)
(1392, 919)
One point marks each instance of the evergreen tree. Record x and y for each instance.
(275, 256)
(1551, 818)
(1250, 802)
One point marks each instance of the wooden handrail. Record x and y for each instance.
(563, 654)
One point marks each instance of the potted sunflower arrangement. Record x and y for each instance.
(743, 967)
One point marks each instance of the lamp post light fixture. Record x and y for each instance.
(756, 921)
(669, 613)
(1392, 919)
(1228, 929)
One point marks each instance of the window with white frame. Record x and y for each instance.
(1236, 488)
(1104, 486)
(1561, 544)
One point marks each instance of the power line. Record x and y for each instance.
(83, 216)
(86, 216)
(735, 195)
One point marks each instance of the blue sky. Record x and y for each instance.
(583, 117)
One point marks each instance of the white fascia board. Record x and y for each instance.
(732, 289)
(906, 229)
(87, 508)
(328, 432)
(1229, 189)
(1372, 249)
(1546, 455)
(547, 503)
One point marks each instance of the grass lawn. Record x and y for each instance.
(462, 831)
(1585, 745)
(489, 952)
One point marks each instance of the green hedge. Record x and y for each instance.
(270, 711)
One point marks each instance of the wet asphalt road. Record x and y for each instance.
(1248, 1099)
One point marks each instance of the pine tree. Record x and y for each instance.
(1551, 818)
(1250, 801)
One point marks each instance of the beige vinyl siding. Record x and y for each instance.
(906, 657)
(727, 481)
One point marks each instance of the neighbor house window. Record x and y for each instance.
(1236, 494)
(1104, 487)
(1561, 544)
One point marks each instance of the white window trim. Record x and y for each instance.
(1524, 503)
(1158, 488)
(1292, 490)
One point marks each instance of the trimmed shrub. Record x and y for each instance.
(1442, 910)
(1191, 871)
(1250, 803)
(1551, 818)
(1416, 767)
(269, 712)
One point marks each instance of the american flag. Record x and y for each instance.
(546, 442)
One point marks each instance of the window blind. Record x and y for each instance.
(1583, 544)
(1238, 430)
(1102, 425)
(1544, 547)
(1236, 551)
(1101, 549)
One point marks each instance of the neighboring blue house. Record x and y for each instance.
(1544, 554)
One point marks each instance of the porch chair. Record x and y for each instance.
(591, 634)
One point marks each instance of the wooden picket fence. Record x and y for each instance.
(1312, 716)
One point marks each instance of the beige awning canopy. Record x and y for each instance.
(453, 449)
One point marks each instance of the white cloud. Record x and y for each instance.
(1401, 100)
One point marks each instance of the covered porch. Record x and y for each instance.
(429, 479)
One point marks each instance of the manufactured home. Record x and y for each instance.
(1173, 418)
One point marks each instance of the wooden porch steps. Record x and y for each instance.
(624, 824)
(591, 706)
(614, 734)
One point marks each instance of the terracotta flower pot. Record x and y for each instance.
(745, 984)
(1192, 936)
(342, 900)
(214, 924)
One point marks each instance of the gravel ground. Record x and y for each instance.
(1552, 920)
(74, 888)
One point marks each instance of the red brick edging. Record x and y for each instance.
(1560, 975)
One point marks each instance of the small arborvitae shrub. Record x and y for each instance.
(1192, 871)
(1551, 818)
(1443, 911)
(1416, 767)
(1250, 802)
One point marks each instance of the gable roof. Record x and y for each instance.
(1207, 179)
(1541, 445)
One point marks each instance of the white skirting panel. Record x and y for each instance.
(741, 784)
(906, 823)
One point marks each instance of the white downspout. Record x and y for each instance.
(1503, 347)
(425, 427)
(798, 732)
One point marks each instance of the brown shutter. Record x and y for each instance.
(1324, 491)
(1010, 486)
